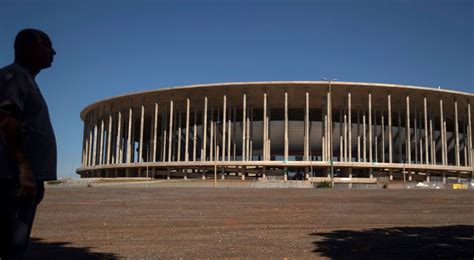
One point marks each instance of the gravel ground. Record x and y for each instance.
(197, 223)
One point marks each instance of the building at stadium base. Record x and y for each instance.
(282, 130)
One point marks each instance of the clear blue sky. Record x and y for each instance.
(106, 48)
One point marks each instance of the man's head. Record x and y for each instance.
(34, 49)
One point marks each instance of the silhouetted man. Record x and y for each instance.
(27, 141)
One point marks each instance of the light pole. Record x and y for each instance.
(330, 129)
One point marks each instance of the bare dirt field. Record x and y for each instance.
(190, 223)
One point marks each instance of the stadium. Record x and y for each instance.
(307, 130)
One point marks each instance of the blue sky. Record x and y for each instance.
(106, 48)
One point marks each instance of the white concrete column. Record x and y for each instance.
(265, 132)
(155, 129)
(244, 127)
(344, 147)
(133, 141)
(306, 129)
(84, 140)
(109, 138)
(324, 149)
(445, 144)
(186, 142)
(164, 126)
(129, 136)
(358, 135)
(94, 149)
(469, 134)
(149, 150)
(195, 136)
(224, 114)
(324, 137)
(248, 143)
(229, 133)
(408, 131)
(425, 115)
(327, 128)
(170, 135)
(370, 127)
(85, 144)
(415, 134)
(164, 135)
(358, 122)
(88, 145)
(91, 140)
(399, 130)
(101, 149)
(441, 129)
(204, 135)
(463, 146)
(178, 158)
(390, 141)
(349, 111)
(118, 148)
(433, 147)
(234, 133)
(142, 125)
(456, 126)
(382, 125)
(364, 133)
(87, 123)
(376, 144)
(268, 132)
(216, 131)
(211, 138)
(341, 134)
(286, 127)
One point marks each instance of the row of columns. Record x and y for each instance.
(103, 132)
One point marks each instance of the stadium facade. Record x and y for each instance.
(298, 129)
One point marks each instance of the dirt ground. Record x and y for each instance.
(196, 223)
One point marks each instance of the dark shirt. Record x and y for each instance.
(18, 89)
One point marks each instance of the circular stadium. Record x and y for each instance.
(306, 130)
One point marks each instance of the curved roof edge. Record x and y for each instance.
(248, 83)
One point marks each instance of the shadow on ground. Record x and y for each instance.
(399, 242)
(62, 250)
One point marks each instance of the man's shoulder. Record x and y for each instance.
(10, 72)
(13, 74)
(7, 73)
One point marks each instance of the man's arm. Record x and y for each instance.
(14, 140)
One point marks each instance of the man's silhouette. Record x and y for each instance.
(27, 141)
